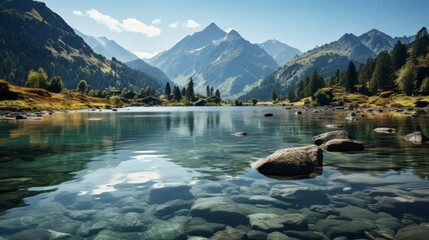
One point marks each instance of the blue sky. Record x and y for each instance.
(150, 26)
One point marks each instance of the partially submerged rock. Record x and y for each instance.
(415, 137)
(325, 137)
(342, 145)
(290, 161)
(385, 130)
(268, 115)
(239, 134)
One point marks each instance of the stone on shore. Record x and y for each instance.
(342, 145)
(291, 161)
(325, 137)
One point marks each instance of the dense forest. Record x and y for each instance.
(404, 69)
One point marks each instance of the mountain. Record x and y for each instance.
(225, 61)
(108, 48)
(281, 52)
(142, 66)
(326, 59)
(32, 36)
(378, 41)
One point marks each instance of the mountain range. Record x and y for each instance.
(108, 48)
(326, 59)
(33, 36)
(224, 61)
(281, 52)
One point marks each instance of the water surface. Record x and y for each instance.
(173, 173)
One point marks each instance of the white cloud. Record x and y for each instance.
(145, 55)
(229, 29)
(78, 13)
(134, 25)
(106, 20)
(156, 21)
(191, 24)
(173, 25)
(128, 25)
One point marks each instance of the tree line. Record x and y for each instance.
(405, 69)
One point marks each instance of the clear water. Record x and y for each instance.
(150, 173)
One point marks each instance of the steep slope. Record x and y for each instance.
(326, 59)
(32, 36)
(225, 61)
(281, 52)
(108, 48)
(142, 66)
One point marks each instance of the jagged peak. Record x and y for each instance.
(212, 27)
(348, 37)
(233, 35)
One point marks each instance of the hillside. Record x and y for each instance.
(143, 66)
(32, 36)
(327, 59)
(225, 61)
(15, 97)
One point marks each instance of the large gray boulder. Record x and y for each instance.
(325, 137)
(220, 210)
(291, 161)
(415, 137)
(342, 145)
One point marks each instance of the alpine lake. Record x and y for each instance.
(181, 173)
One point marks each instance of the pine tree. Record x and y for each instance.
(190, 95)
(424, 88)
(183, 91)
(407, 79)
(208, 91)
(56, 85)
(177, 95)
(217, 94)
(420, 44)
(299, 90)
(306, 87)
(382, 78)
(211, 92)
(167, 90)
(274, 96)
(82, 86)
(399, 55)
(365, 75)
(351, 79)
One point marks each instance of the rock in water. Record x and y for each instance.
(385, 130)
(415, 137)
(268, 115)
(291, 161)
(342, 145)
(272, 222)
(325, 137)
(164, 192)
(239, 134)
(220, 210)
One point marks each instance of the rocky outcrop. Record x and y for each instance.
(290, 161)
(325, 137)
(415, 137)
(385, 130)
(342, 145)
